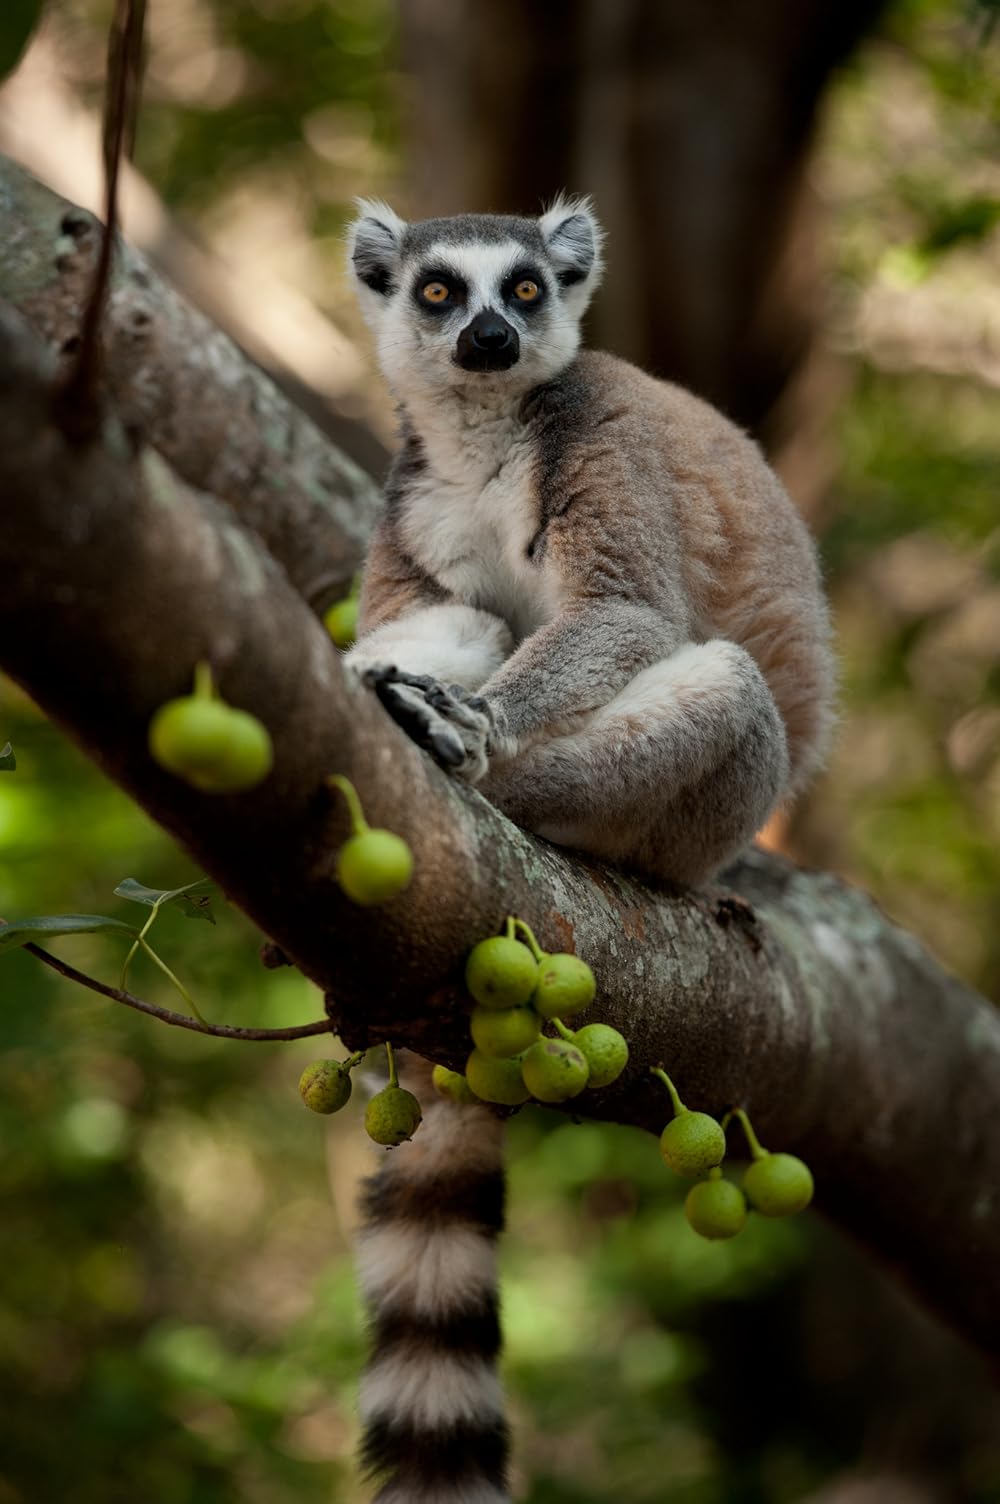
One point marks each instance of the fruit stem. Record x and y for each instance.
(157, 961)
(358, 822)
(154, 910)
(561, 1028)
(204, 688)
(354, 1060)
(757, 1150)
(657, 1070)
(393, 1077)
(532, 943)
(509, 927)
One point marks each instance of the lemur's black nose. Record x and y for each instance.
(491, 334)
(487, 343)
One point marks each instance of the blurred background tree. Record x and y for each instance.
(807, 235)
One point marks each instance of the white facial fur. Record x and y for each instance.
(417, 347)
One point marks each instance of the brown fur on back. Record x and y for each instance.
(697, 515)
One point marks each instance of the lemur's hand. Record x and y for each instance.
(456, 727)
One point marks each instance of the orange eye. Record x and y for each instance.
(434, 292)
(527, 291)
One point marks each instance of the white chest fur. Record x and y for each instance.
(470, 518)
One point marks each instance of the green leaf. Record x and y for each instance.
(8, 762)
(194, 899)
(47, 926)
(18, 19)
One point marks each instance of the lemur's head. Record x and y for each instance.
(478, 301)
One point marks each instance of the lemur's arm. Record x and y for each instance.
(617, 617)
(572, 666)
(409, 621)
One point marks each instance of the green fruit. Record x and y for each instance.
(341, 621)
(495, 1080)
(392, 1116)
(565, 986)
(604, 1050)
(325, 1085)
(554, 1070)
(250, 755)
(715, 1208)
(692, 1143)
(452, 1085)
(779, 1185)
(501, 973)
(374, 866)
(210, 745)
(503, 1032)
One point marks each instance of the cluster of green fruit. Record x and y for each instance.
(694, 1145)
(518, 988)
(209, 744)
(341, 619)
(392, 1115)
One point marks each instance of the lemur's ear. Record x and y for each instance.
(573, 239)
(374, 243)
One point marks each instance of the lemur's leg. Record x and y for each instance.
(449, 642)
(673, 776)
(410, 661)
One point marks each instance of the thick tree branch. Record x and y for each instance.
(221, 423)
(786, 991)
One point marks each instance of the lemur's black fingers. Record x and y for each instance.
(446, 747)
(410, 711)
(405, 709)
(461, 715)
(415, 681)
(469, 714)
(466, 697)
(388, 673)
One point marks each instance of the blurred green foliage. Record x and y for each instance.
(178, 1321)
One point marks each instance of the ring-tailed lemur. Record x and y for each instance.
(590, 595)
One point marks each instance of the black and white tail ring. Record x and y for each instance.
(431, 1401)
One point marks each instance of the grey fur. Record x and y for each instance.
(473, 229)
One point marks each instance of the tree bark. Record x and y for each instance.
(785, 991)
(209, 410)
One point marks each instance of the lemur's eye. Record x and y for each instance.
(527, 291)
(435, 292)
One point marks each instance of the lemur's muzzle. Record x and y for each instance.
(487, 343)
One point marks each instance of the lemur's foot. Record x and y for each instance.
(454, 726)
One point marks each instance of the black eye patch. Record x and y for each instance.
(438, 291)
(510, 284)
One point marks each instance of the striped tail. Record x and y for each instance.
(431, 1401)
